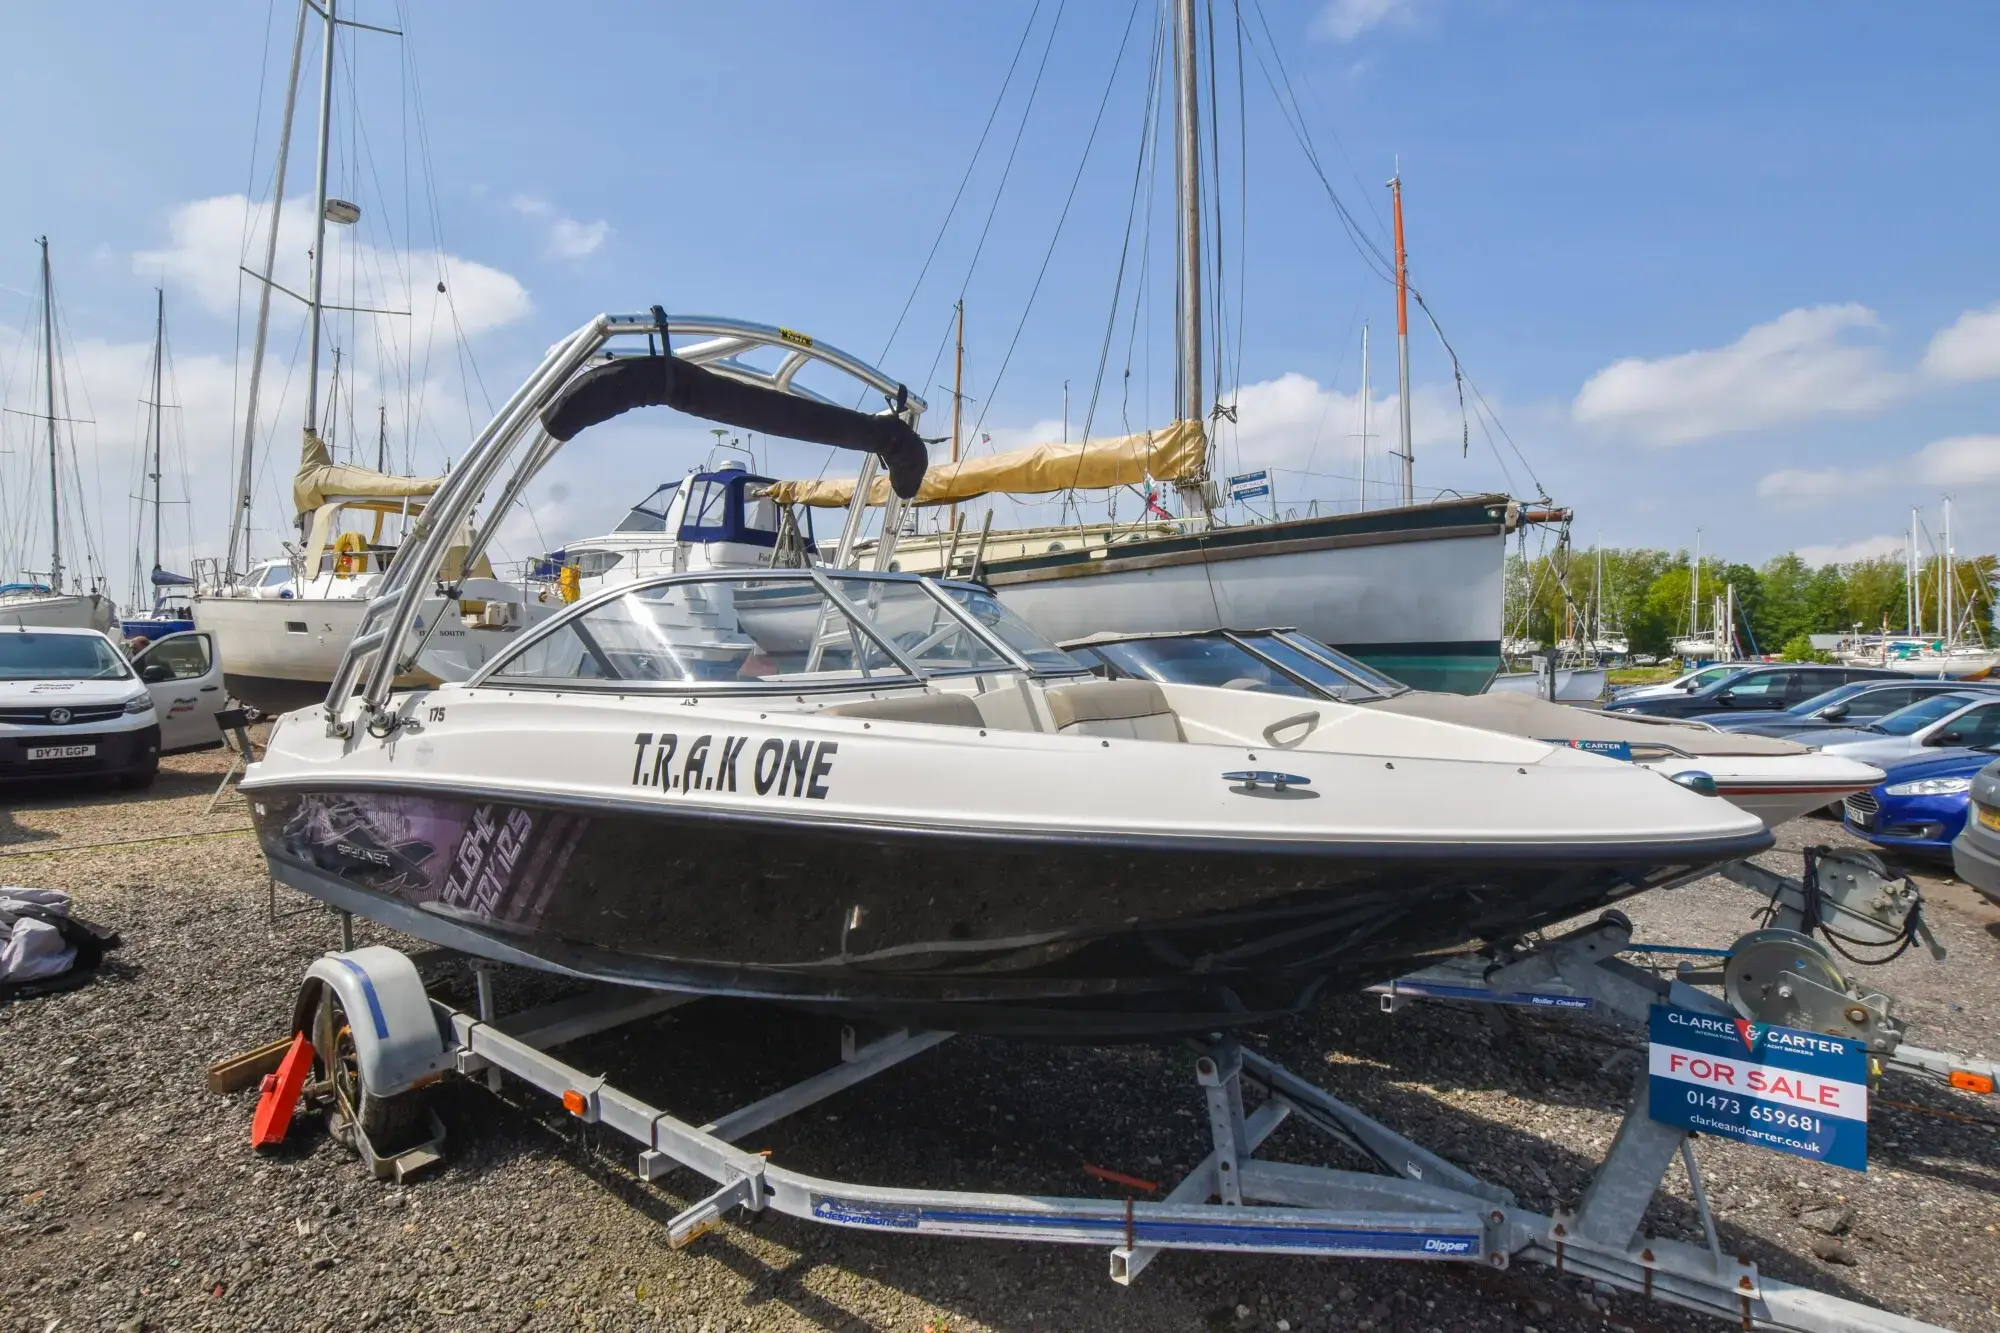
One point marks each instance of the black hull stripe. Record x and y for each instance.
(1705, 850)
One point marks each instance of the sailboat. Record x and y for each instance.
(1415, 590)
(40, 599)
(1947, 655)
(282, 625)
(1718, 642)
(170, 612)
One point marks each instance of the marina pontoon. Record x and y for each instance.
(885, 794)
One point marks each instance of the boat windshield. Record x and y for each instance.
(29, 656)
(650, 514)
(1198, 659)
(1011, 630)
(1332, 670)
(1909, 721)
(782, 630)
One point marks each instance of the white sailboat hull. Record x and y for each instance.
(1422, 603)
(280, 654)
(67, 611)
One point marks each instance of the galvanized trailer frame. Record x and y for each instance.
(1416, 1205)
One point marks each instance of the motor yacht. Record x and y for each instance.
(883, 794)
(1774, 779)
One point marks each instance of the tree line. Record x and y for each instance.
(1646, 595)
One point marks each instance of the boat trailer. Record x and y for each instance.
(369, 1038)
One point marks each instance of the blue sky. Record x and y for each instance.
(1713, 265)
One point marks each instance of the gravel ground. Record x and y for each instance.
(132, 1199)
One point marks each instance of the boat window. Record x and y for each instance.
(924, 631)
(720, 631)
(31, 656)
(1199, 660)
(760, 513)
(1325, 666)
(1011, 630)
(708, 505)
(592, 563)
(650, 514)
(276, 575)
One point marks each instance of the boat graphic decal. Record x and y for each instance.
(798, 768)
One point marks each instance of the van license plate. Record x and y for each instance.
(61, 751)
(1988, 816)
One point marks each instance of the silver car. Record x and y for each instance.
(1969, 720)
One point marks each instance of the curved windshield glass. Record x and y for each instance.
(1198, 659)
(1909, 721)
(778, 630)
(650, 514)
(1315, 660)
(26, 655)
(1010, 629)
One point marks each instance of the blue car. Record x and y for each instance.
(1920, 804)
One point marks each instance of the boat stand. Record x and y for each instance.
(1413, 1205)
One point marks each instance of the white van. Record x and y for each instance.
(73, 705)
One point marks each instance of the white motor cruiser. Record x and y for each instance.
(883, 794)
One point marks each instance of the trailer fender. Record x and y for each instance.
(398, 1042)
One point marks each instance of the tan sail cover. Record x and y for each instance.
(1171, 453)
(320, 479)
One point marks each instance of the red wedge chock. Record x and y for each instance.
(279, 1095)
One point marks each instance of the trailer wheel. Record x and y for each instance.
(390, 1123)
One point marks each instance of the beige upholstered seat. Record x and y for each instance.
(1136, 709)
(939, 710)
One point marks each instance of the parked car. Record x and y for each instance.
(1761, 688)
(1920, 804)
(1852, 705)
(73, 705)
(1961, 719)
(1975, 853)
(1699, 678)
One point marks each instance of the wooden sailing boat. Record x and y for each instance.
(42, 599)
(1415, 590)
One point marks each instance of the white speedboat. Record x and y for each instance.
(916, 809)
(1776, 780)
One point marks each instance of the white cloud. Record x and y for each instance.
(567, 238)
(1867, 548)
(1961, 460)
(1967, 349)
(1797, 366)
(1813, 485)
(1346, 20)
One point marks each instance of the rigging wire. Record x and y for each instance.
(1090, 141)
(964, 180)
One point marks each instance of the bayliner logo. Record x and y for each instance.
(709, 763)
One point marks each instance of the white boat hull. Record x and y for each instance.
(1422, 603)
(68, 611)
(282, 653)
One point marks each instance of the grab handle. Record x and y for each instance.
(1310, 721)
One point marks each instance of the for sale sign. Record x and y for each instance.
(1802, 1093)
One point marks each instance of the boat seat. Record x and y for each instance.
(938, 710)
(1136, 709)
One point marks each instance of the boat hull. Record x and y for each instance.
(1078, 939)
(281, 654)
(66, 611)
(1413, 592)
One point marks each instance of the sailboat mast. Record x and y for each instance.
(1364, 414)
(239, 519)
(319, 220)
(1949, 624)
(159, 355)
(1694, 592)
(1187, 162)
(49, 384)
(1910, 579)
(1403, 339)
